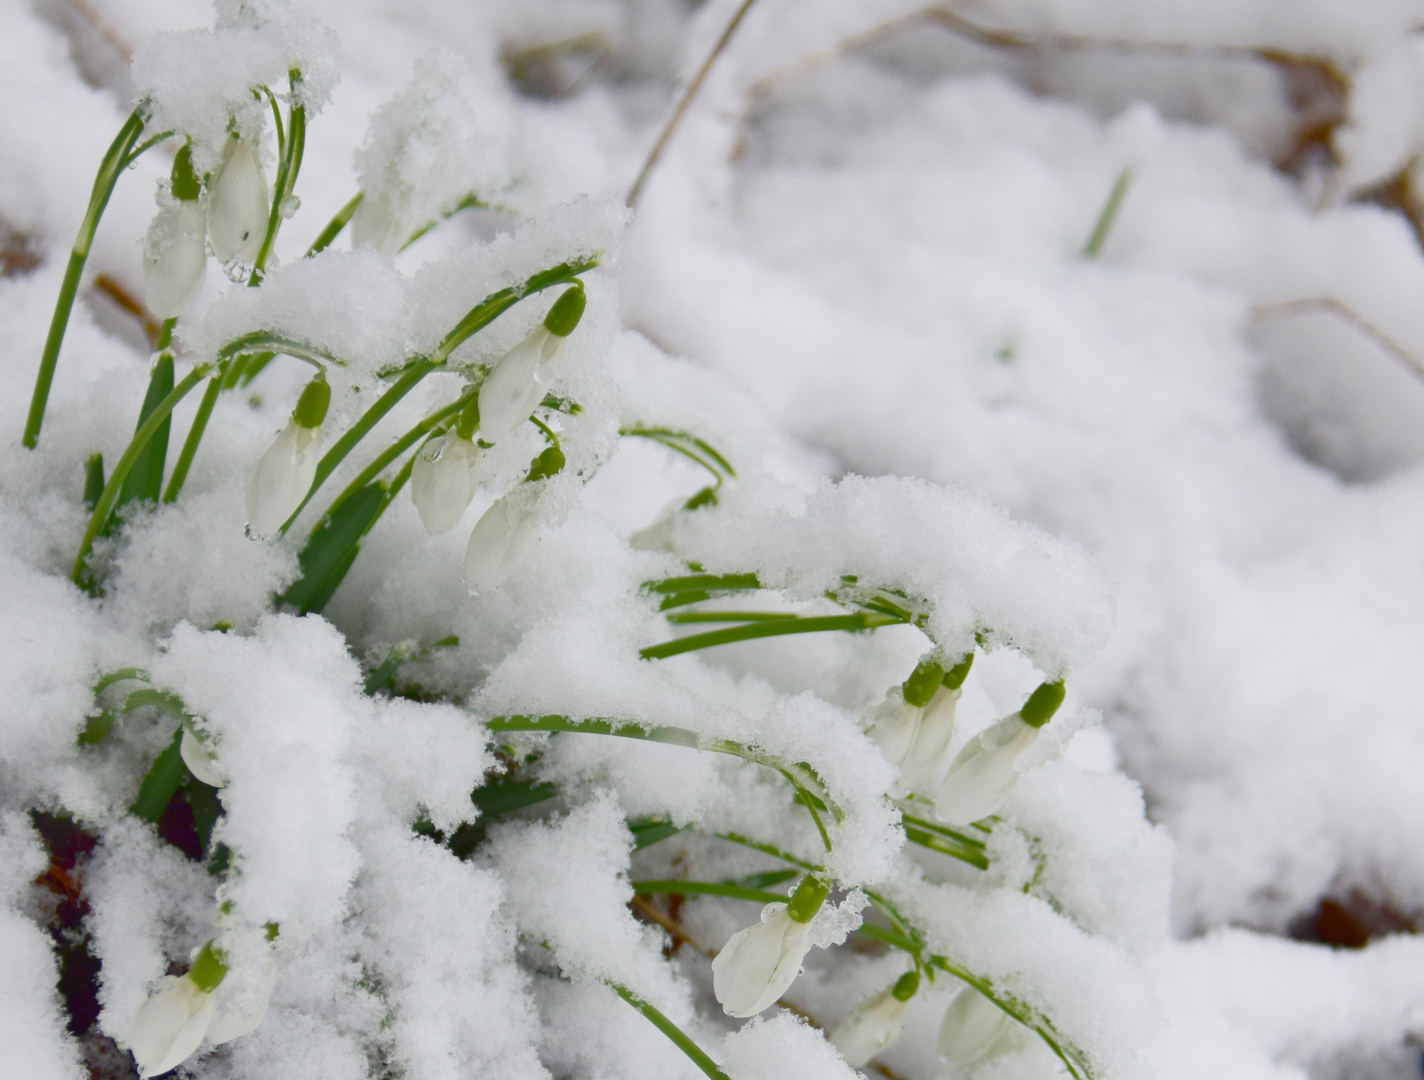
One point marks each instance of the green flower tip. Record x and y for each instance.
(923, 682)
(209, 969)
(566, 312)
(807, 899)
(312, 405)
(1042, 704)
(184, 179)
(955, 676)
(547, 464)
(905, 986)
(469, 420)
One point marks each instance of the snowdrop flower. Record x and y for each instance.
(198, 760)
(876, 1022)
(521, 377)
(175, 253)
(983, 774)
(286, 471)
(914, 725)
(503, 538)
(379, 222)
(443, 481)
(172, 1023)
(237, 206)
(972, 1026)
(758, 964)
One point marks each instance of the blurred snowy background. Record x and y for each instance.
(873, 220)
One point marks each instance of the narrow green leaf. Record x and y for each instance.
(167, 772)
(145, 478)
(332, 549)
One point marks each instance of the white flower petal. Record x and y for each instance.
(175, 259)
(237, 209)
(983, 774)
(759, 964)
(378, 223)
(502, 539)
(198, 760)
(926, 757)
(972, 1024)
(169, 1025)
(283, 478)
(443, 481)
(520, 378)
(873, 1026)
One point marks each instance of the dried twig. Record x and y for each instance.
(130, 304)
(691, 92)
(101, 26)
(1341, 310)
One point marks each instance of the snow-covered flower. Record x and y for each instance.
(876, 1022)
(286, 471)
(502, 539)
(521, 377)
(175, 258)
(380, 223)
(984, 772)
(198, 760)
(972, 1025)
(443, 480)
(914, 725)
(237, 207)
(759, 963)
(173, 1022)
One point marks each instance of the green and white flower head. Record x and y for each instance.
(974, 1028)
(502, 540)
(876, 1022)
(287, 469)
(521, 377)
(175, 251)
(237, 205)
(445, 474)
(201, 763)
(985, 771)
(758, 964)
(915, 724)
(172, 1023)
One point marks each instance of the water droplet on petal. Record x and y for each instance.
(236, 270)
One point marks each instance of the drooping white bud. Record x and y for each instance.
(169, 1026)
(443, 481)
(379, 223)
(283, 478)
(983, 773)
(175, 258)
(502, 539)
(518, 382)
(198, 760)
(875, 1023)
(972, 1025)
(238, 208)
(926, 757)
(759, 964)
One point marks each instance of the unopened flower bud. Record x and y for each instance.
(286, 471)
(379, 223)
(876, 1022)
(502, 539)
(443, 481)
(237, 210)
(972, 1025)
(175, 259)
(984, 772)
(564, 316)
(758, 964)
(198, 760)
(517, 383)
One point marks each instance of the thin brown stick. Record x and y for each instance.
(152, 328)
(641, 906)
(101, 26)
(1341, 310)
(691, 92)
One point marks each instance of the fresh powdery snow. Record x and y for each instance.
(703, 538)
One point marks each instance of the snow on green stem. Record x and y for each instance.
(675, 1034)
(333, 229)
(120, 155)
(115, 482)
(852, 622)
(288, 167)
(801, 775)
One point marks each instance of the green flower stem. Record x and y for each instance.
(358, 431)
(385, 457)
(494, 305)
(689, 446)
(287, 169)
(115, 482)
(678, 1037)
(127, 674)
(801, 775)
(730, 616)
(705, 583)
(195, 436)
(335, 225)
(468, 202)
(860, 620)
(1094, 247)
(706, 888)
(943, 830)
(928, 834)
(116, 159)
(261, 341)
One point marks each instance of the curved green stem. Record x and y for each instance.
(141, 437)
(705, 888)
(119, 155)
(287, 169)
(679, 1038)
(860, 620)
(333, 227)
(494, 305)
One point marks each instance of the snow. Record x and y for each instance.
(1182, 473)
